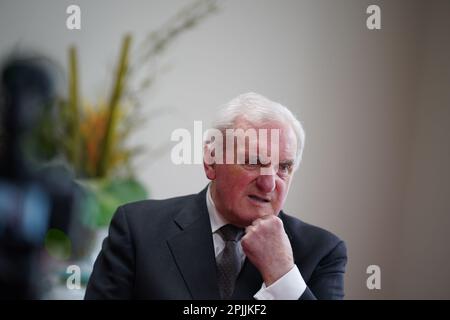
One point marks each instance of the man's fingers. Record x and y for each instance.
(263, 219)
(268, 219)
(250, 229)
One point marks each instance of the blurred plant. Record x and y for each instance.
(93, 139)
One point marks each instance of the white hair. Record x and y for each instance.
(257, 109)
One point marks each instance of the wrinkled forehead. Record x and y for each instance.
(267, 135)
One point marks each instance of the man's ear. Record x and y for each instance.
(209, 162)
(210, 170)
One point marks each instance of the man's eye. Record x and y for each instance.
(252, 165)
(285, 167)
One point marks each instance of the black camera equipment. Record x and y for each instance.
(34, 196)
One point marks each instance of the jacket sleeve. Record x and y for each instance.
(327, 280)
(113, 273)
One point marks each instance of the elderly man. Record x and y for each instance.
(231, 240)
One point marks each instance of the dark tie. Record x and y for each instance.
(229, 260)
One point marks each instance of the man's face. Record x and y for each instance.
(240, 192)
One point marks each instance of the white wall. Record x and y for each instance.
(424, 257)
(374, 105)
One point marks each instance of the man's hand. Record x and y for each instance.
(267, 246)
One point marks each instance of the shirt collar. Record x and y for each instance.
(216, 219)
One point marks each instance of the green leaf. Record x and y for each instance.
(58, 244)
(104, 196)
(116, 95)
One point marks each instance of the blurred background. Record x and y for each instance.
(375, 105)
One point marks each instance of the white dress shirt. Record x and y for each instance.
(289, 287)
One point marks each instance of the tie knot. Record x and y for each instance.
(231, 233)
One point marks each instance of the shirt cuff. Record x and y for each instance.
(289, 287)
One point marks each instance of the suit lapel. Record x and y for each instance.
(193, 249)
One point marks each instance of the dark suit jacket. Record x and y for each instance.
(163, 249)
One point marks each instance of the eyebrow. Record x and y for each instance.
(288, 162)
(258, 159)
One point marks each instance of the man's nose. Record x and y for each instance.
(266, 182)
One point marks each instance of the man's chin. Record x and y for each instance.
(257, 213)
